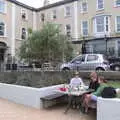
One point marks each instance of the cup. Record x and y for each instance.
(81, 88)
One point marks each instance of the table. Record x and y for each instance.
(72, 94)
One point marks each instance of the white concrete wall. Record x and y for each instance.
(25, 95)
(108, 109)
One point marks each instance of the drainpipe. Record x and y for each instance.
(76, 19)
(13, 30)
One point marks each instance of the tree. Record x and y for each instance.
(46, 45)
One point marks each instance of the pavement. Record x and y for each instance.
(12, 111)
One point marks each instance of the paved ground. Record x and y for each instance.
(12, 111)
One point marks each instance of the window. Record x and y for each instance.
(82, 58)
(2, 29)
(100, 4)
(101, 24)
(79, 59)
(85, 28)
(23, 36)
(84, 7)
(24, 14)
(42, 17)
(67, 11)
(117, 3)
(92, 57)
(54, 14)
(2, 6)
(118, 24)
(68, 30)
(107, 24)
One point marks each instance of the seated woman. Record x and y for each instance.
(92, 85)
(93, 96)
(94, 81)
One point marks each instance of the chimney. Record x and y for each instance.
(46, 2)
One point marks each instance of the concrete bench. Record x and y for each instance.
(108, 109)
(52, 99)
(26, 95)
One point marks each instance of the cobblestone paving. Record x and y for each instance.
(12, 111)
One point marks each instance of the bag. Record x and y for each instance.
(108, 92)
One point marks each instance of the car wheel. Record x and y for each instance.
(116, 68)
(66, 69)
(100, 69)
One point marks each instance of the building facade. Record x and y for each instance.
(92, 24)
(15, 20)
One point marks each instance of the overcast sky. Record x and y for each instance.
(36, 3)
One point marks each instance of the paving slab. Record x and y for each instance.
(12, 111)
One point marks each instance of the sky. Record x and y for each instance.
(36, 3)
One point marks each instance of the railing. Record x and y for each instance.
(15, 67)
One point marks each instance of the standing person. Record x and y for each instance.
(76, 80)
(94, 81)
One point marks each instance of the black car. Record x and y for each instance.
(114, 63)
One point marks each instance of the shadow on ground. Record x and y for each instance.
(72, 114)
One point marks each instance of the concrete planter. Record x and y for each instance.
(108, 109)
(25, 95)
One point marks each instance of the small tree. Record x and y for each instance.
(46, 45)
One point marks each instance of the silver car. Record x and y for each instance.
(87, 62)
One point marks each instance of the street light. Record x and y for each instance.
(83, 46)
(105, 38)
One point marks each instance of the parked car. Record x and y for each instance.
(114, 63)
(47, 66)
(24, 66)
(87, 62)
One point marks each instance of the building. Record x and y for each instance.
(92, 24)
(15, 19)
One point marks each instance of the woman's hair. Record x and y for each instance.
(94, 73)
(102, 78)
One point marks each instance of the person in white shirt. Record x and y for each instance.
(76, 81)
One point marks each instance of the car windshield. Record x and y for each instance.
(79, 58)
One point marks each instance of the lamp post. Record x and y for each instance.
(63, 54)
(105, 38)
(83, 46)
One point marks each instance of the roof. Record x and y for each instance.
(56, 4)
(22, 5)
(41, 8)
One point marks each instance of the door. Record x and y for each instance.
(78, 63)
(91, 62)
